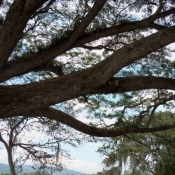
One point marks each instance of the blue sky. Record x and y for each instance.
(86, 159)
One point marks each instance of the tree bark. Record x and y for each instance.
(42, 94)
(34, 60)
(35, 98)
(64, 118)
(8, 148)
(10, 161)
(12, 29)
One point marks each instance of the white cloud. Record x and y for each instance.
(84, 167)
(85, 158)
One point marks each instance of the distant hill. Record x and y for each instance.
(4, 168)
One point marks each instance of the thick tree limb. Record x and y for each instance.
(64, 118)
(98, 5)
(14, 24)
(163, 14)
(56, 69)
(45, 93)
(38, 95)
(3, 141)
(127, 84)
(130, 26)
(22, 66)
(38, 59)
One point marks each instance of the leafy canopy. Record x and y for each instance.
(102, 67)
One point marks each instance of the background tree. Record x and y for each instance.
(152, 152)
(49, 66)
(37, 141)
(36, 173)
(127, 172)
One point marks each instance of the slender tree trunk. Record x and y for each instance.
(11, 163)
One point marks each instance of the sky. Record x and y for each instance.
(85, 159)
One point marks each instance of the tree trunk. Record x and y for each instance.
(11, 163)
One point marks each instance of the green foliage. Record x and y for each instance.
(152, 152)
(136, 172)
(47, 33)
(43, 149)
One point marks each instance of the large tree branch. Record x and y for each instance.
(56, 69)
(130, 26)
(22, 66)
(104, 70)
(98, 5)
(3, 141)
(45, 93)
(64, 118)
(163, 14)
(14, 24)
(136, 83)
(37, 59)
